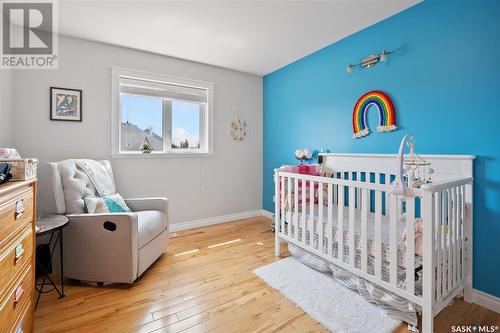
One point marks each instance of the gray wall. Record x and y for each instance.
(198, 187)
(5, 108)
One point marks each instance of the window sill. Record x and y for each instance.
(160, 155)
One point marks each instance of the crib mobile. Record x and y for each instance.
(413, 171)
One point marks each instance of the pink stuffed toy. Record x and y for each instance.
(419, 236)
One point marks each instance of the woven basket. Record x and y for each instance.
(22, 168)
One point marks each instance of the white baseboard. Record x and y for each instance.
(216, 220)
(267, 214)
(486, 300)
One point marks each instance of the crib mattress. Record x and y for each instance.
(385, 234)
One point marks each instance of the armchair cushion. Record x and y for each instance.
(150, 223)
(107, 204)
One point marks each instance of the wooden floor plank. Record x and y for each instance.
(210, 290)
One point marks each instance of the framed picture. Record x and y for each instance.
(65, 104)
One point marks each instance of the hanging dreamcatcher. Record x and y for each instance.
(238, 126)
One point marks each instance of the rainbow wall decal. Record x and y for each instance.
(387, 115)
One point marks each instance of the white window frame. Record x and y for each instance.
(206, 116)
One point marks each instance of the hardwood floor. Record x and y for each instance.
(204, 282)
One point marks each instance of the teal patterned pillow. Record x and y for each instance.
(107, 204)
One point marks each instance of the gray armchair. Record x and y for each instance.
(117, 251)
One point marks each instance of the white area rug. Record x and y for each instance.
(335, 307)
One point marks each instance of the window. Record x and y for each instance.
(141, 117)
(171, 115)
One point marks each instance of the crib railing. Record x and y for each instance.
(303, 202)
(450, 242)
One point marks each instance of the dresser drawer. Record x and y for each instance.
(14, 258)
(18, 296)
(14, 213)
(25, 323)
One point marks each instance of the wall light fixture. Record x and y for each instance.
(370, 61)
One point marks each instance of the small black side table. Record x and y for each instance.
(51, 225)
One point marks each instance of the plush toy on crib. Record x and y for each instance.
(412, 171)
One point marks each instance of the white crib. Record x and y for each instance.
(372, 221)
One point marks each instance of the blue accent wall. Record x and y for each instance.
(444, 82)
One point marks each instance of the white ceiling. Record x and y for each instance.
(257, 37)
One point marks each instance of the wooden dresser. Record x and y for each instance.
(17, 256)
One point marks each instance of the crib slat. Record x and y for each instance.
(457, 239)
(451, 217)
(428, 283)
(445, 235)
(364, 230)
(288, 227)
(378, 234)
(312, 225)
(439, 245)
(340, 224)
(410, 245)
(450, 252)
(462, 228)
(283, 203)
(277, 213)
(454, 235)
(358, 191)
(329, 230)
(459, 234)
(320, 224)
(350, 176)
(387, 205)
(352, 233)
(393, 239)
(304, 212)
(335, 189)
(296, 209)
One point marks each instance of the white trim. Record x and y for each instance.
(434, 156)
(160, 155)
(115, 112)
(132, 73)
(267, 214)
(445, 166)
(486, 300)
(215, 220)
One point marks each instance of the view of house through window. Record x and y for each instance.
(142, 117)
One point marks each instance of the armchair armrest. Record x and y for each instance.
(138, 204)
(101, 247)
(158, 203)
